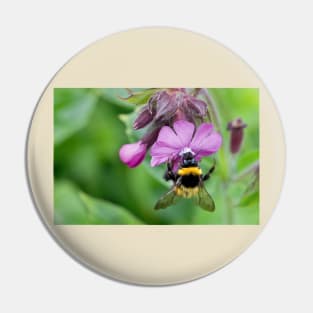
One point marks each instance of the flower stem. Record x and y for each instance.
(213, 108)
(196, 92)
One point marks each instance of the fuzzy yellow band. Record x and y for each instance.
(189, 171)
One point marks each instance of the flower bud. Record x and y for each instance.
(150, 137)
(197, 107)
(166, 107)
(133, 154)
(236, 134)
(143, 119)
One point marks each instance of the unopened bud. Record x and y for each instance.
(143, 119)
(150, 137)
(236, 134)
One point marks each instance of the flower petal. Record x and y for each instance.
(158, 160)
(161, 153)
(202, 131)
(133, 154)
(160, 149)
(206, 141)
(209, 145)
(184, 131)
(176, 163)
(168, 137)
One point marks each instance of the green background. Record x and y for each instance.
(92, 185)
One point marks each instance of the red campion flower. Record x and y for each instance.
(184, 137)
(162, 109)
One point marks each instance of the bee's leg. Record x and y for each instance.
(178, 181)
(208, 174)
(169, 174)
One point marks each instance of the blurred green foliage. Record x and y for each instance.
(92, 185)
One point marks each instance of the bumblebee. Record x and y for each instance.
(188, 181)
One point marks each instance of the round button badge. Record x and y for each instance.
(155, 156)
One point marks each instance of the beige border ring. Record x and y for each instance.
(154, 255)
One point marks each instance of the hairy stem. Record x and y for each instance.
(213, 108)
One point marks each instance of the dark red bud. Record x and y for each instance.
(197, 107)
(236, 134)
(150, 137)
(143, 119)
(166, 107)
(179, 115)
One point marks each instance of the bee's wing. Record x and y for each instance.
(204, 200)
(166, 200)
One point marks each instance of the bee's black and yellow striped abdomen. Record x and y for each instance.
(190, 180)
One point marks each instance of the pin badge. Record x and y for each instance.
(155, 156)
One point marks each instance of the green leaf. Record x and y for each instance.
(141, 97)
(114, 96)
(249, 199)
(72, 110)
(105, 212)
(128, 120)
(247, 159)
(157, 173)
(68, 208)
(73, 207)
(248, 215)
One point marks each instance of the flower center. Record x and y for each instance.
(186, 150)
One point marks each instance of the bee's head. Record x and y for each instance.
(188, 158)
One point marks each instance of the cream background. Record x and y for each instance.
(145, 58)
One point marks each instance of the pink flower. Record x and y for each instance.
(171, 143)
(163, 108)
(133, 154)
